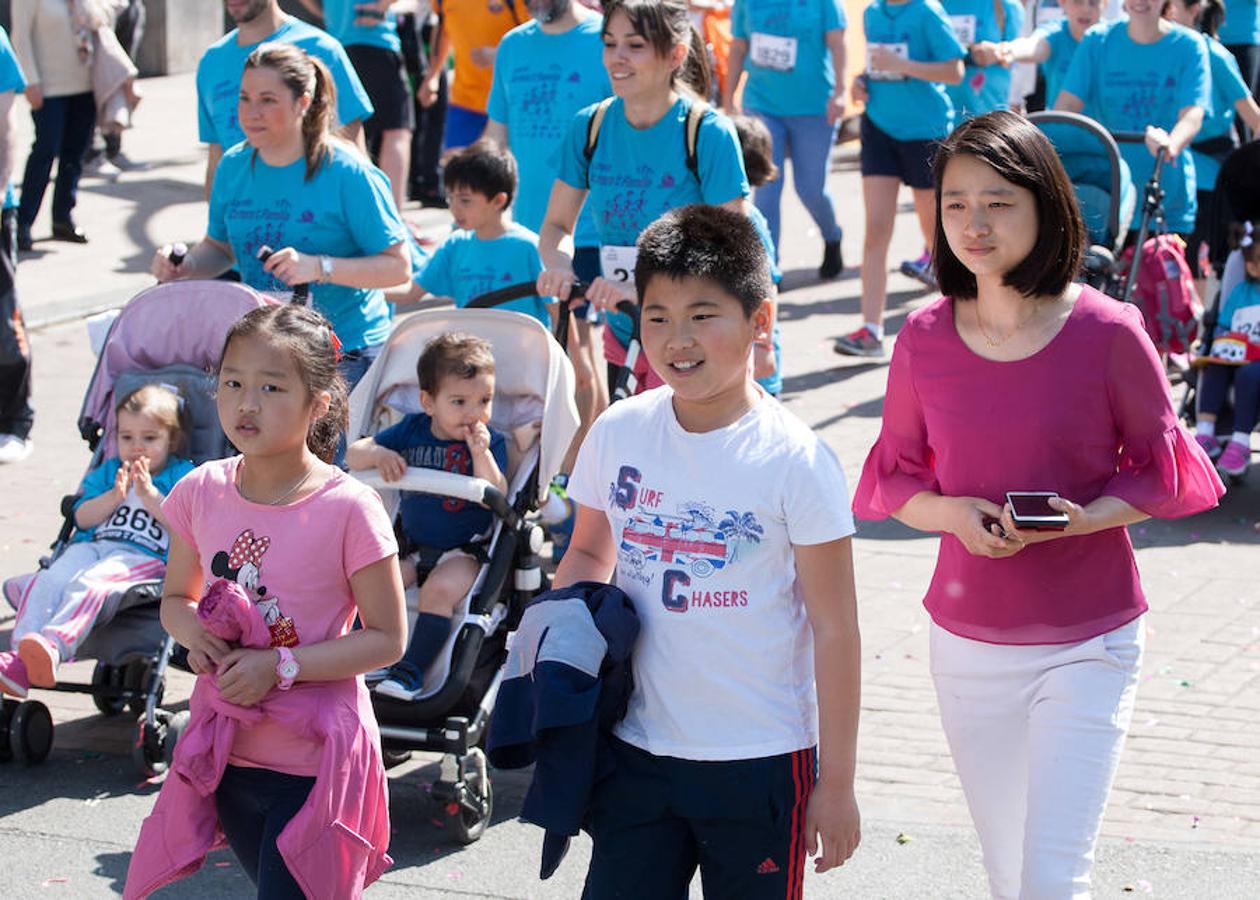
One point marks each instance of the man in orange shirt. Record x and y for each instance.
(473, 29)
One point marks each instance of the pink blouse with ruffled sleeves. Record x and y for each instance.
(1088, 415)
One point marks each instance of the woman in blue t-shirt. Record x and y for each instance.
(1240, 33)
(328, 213)
(793, 52)
(1146, 75)
(639, 166)
(1053, 44)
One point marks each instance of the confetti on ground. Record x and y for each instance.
(1184, 683)
(456, 875)
(56, 879)
(904, 838)
(1194, 823)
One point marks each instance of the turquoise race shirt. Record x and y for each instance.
(1062, 49)
(910, 109)
(465, 267)
(345, 210)
(788, 64)
(11, 79)
(1228, 88)
(983, 88)
(1242, 22)
(339, 19)
(541, 81)
(219, 80)
(1130, 86)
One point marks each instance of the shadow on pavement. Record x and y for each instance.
(147, 196)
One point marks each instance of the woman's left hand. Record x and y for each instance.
(1157, 138)
(292, 267)
(247, 675)
(1077, 523)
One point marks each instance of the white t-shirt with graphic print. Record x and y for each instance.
(704, 526)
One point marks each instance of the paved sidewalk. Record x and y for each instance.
(1185, 817)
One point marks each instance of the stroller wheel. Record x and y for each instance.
(174, 731)
(148, 751)
(30, 733)
(105, 675)
(475, 799)
(137, 676)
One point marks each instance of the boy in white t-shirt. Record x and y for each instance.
(727, 522)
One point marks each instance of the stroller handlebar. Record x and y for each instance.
(443, 484)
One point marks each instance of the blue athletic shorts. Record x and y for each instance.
(883, 154)
(463, 127)
(586, 268)
(657, 819)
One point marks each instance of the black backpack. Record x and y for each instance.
(691, 134)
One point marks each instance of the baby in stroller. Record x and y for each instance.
(1236, 344)
(446, 535)
(122, 537)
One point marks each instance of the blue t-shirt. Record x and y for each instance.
(791, 74)
(637, 174)
(11, 79)
(130, 522)
(1062, 48)
(910, 109)
(540, 82)
(219, 80)
(339, 16)
(345, 210)
(1242, 23)
(773, 384)
(1130, 86)
(1228, 88)
(465, 266)
(1245, 295)
(441, 522)
(983, 88)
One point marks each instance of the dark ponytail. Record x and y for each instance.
(1211, 17)
(304, 74)
(695, 74)
(308, 338)
(665, 24)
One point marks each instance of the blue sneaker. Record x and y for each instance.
(920, 269)
(404, 682)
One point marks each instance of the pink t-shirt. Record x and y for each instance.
(295, 561)
(1088, 415)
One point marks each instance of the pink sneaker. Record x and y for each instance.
(1234, 459)
(13, 678)
(41, 658)
(1211, 446)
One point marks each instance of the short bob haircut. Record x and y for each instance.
(1020, 153)
(485, 168)
(708, 242)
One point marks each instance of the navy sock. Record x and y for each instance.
(427, 640)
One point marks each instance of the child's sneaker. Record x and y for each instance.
(558, 515)
(862, 342)
(13, 588)
(13, 678)
(405, 682)
(919, 269)
(1211, 446)
(1234, 459)
(41, 658)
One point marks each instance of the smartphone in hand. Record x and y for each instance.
(1032, 510)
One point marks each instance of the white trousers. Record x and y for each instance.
(82, 587)
(1036, 734)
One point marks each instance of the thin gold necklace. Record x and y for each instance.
(283, 497)
(1000, 341)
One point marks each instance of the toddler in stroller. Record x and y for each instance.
(122, 538)
(446, 537)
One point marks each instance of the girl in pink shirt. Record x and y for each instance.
(313, 548)
(1019, 380)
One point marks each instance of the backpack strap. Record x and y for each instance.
(593, 124)
(691, 134)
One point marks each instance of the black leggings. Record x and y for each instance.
(254, 805)
(1214, 385)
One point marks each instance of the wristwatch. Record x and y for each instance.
(325, 269)
(287, 669)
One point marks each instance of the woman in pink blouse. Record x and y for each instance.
(1020, 380)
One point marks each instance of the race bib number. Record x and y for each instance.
(617, 263)
(964, 29)
(132, 522)
(770, 51)
(1048, 13)
(1247, 321)
(901, 50)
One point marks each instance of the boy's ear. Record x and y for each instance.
(426, 403)
(763, 319)
(499, 201)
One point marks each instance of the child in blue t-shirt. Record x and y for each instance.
(1240, 314)
(122, 538)
(487, 251)
(912, 54)
(1053, 44)
(456, 376)
(980, 25)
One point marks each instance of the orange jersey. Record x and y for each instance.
(472, 24)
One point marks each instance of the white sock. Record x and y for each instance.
(875, 328)
(1205, 428)
(1241, 437)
